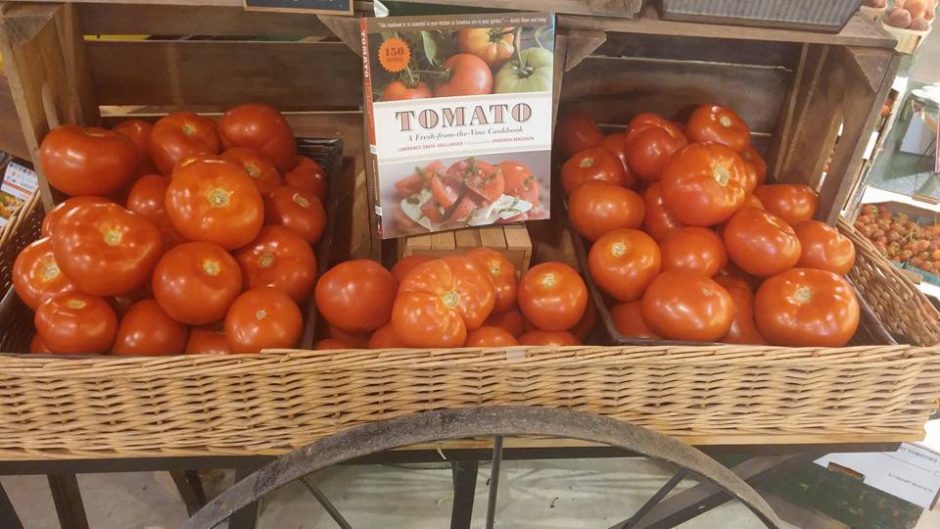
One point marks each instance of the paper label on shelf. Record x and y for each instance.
(912, 473)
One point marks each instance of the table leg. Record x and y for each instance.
(246, 518)
(465, 484)
(8, 517)
(68, 501)
(190, 488)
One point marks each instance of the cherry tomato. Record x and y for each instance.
(628, 319)
(713, 123)
(803, 307)
(683, 305)
(743, 329)
(576, 131)
(824, 247)
(616, 144)
(48, 222)
(596, 208)
(105, 249)
(649, 149)
(37, 346)
(76, 323)
(694, 249)
(585, 327)
(257, 165)
(761, 243)
(794, 203)
(704, 184)
(511, 320)
(147, 330)
(467, 75)
(399, 91)
(138, 131)
(214, 201)
(490, 337)
(181, 134)
(623, 262)
(280, 259)
(263, 318)
(148, 198)
(502, 274)
(658, 221)
(552, 296)
(757, 162)
(307, 175)
(37, 277)
(196, 282)
(520, 182)
(263, 128)
(407, 264)
(493, 45)
(356, 296)
(300, 211)
(90, 161)
(385, 338)
(208, 340)
(590, 165)
(552, 338)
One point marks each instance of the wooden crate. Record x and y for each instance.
(511, 241)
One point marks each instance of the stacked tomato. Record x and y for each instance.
(184, 236)
(691, 244)
(900, 238)
(472, 299)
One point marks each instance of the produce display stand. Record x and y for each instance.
(797, 89)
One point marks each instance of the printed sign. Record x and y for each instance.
(19, 184)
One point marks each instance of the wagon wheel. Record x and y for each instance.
(496, 422)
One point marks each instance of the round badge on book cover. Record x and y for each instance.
(394, 55)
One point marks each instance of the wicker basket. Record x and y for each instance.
(22, 229)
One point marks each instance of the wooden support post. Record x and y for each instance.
(68, 501)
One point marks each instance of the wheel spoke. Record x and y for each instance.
(494, 481)
(652, 502)
(326, 503)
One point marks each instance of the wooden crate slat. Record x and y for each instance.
(11, 134)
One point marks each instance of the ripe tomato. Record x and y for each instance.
(37, 277)
(596, 208)
(467, 75)
(263, 128)
(502, 274)
(712, 123)
(37, 346)
(356, 340)
(196, 282)
(76, 323)
(208, 340)
(793, 203)
(90, 161)
(280, 259)
(263, 318)
(761, 243)
(585, 327)
(576, 131)
(616, 144)
(694, 249)
(552, 296)
(181, 134)
(649, 149)
(149, 331)
(493, 45)
(123, 302)
(257, 165)
(148, 198)
(743, 329)
(682, 305)
(589, 165)
(752, 202)
(511, 320)
(824, 247)
(300, 211)
(803, 307)
(105, 249)
(399, 91)
(308, 176)
(704, 184)
(520, 182)
(552, 338)
(628, 319)
(441, 300)
(658, 221)
(623, 262)
(757, 162)
(213, 201)
(385, 338)
(48, 222)
(407, 264)
(483, 179)
(356, 296)
(138, 131)
(490, 337)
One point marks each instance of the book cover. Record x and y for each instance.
(460, 119)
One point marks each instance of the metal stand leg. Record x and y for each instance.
(68, 501)
(325, 502)
(246, 518)
(190, 488)
(8, 517)
(465, 484)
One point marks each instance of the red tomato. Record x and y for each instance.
(385, 338)
(468, 75)
(356, 340)
(308, 176)
(399, 91)
(590, 165)
(331, 344)
(48, 223)
(213, 201)
(552, 296)
(752, 202)
(824, 247)
(628, 319)
(493, 45)
(658, 221)
(123, 302)
(491, 337)
(105, 249)
(552, 338)
(704, 184)
(257, 165)
(407, 264)
(37, 277)
(597, 208)
(138, 131)
(502, 274)
(76, 323)
(616, 144)
(803, 307)
(263, 128)
(650, 148)
(356, 296)
(520, 182)
(441, 300)
(512, 321)
(694, 249)
(585, 327)
(757, 162)
(743, 329)
(148, 198)
(90, 161)
(576, 131)
(280, 259)
(300, 211)
(483, 179)
(181, 134)
(263, 318)
(623, 262)
(37, 346)
(761, 243)
(208, 340)
(146, 330)
(712, 123)
(196, 282)
(794, 203)
(683, 305)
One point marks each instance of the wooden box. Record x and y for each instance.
(512, 241)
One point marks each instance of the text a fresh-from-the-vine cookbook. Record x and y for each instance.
(460, 116)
